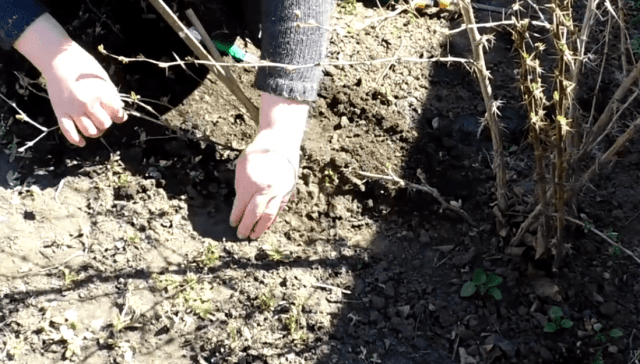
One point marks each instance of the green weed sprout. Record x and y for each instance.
(484, 284)
(614, 333)
(557, 320)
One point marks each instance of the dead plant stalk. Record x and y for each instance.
(533, 93)
(491, 116)
(426, 188)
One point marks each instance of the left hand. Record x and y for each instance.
(267, 170)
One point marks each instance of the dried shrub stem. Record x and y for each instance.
(532, 90)
(563, 32)
(491, 116)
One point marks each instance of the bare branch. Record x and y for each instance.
(288, 66)
(426, 188)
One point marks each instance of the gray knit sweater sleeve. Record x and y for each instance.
(285, 41)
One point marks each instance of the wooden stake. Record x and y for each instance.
(221, 73)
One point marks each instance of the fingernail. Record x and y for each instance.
(241, 237)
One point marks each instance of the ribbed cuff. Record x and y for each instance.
(15, 18)
(285, 41)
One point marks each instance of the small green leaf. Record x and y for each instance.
(482, 288)
(468, 289)
(601, 337)
(494, 280)
(597, 326)
(566, 323)
(479, 276)
(555, 312)
(615, 333)
(495, 293)
(550, 327)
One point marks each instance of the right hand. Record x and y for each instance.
(82, 96)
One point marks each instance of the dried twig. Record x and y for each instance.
(26, 118)
(606, 117)
(225, 77)
(103, 18)
(617, 115)
(605, 237)
(181, 133)
(607, 158)
(533, 216)
(390, 63)
(426, 188)
(380, 19)
(604, 59)
(331, 288)
(576, 71)
(58, 189)
(493, 24)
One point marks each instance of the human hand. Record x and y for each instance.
(267, 170)
(81, 93)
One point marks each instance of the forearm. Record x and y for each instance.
(283, 41)
(43, 42)
(286, 119)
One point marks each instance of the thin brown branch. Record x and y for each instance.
(605, 237)
(492, 25)
(617, 115)
(604, 61)
(623, 49)
(289, 66)
(531, 219)
(576, 71)
(26, 118)
(390, 63)
(606, 159)
(426, 188)
(606, 117)
(181, 133)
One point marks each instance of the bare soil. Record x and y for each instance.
(121, 251)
